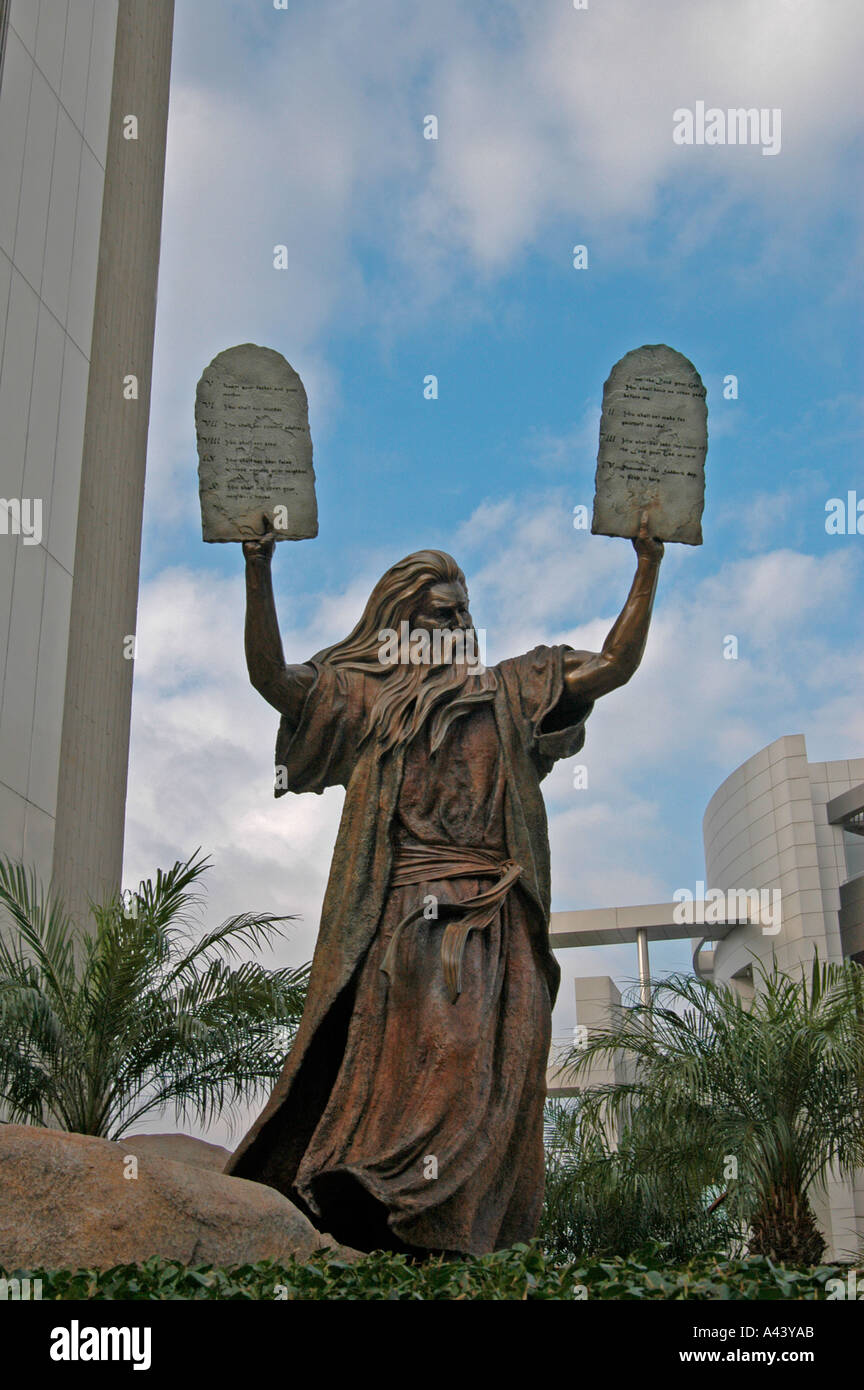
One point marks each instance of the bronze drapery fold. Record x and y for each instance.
(416, 864)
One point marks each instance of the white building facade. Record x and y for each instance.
(787, 825)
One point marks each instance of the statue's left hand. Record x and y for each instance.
(261, 547)
(645, 545)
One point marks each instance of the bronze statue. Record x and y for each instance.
(409, 1114)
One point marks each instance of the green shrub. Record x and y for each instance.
(652, 1189)
(523, 1272)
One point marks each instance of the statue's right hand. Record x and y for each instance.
(261, 547)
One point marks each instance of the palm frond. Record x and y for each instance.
(145, 1011)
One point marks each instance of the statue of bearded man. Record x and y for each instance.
(409, 1114)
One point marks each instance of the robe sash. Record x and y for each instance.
(415, 863)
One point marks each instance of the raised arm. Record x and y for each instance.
(588, 675)
(284, 687)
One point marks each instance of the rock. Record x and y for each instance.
(66, 1202)
(180, 1148)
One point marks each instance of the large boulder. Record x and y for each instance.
(69, 1201)
(182, 1148)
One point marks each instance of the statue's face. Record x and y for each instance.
(444, 606)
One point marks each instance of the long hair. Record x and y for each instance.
(394, 599)
(409, 693)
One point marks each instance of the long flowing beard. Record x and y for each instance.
(413, 693)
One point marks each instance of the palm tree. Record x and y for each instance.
(616, 1196)
(768, 1091)
(100, 1028)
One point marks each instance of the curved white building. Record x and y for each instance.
(782, 825)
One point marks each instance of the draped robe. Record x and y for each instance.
(404, 1119)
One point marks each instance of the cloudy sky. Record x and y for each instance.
(304, 127)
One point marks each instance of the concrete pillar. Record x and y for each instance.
(88, 844)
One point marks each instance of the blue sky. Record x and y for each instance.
(454, 257)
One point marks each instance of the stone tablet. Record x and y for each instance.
(653, 441)
(254, 447)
